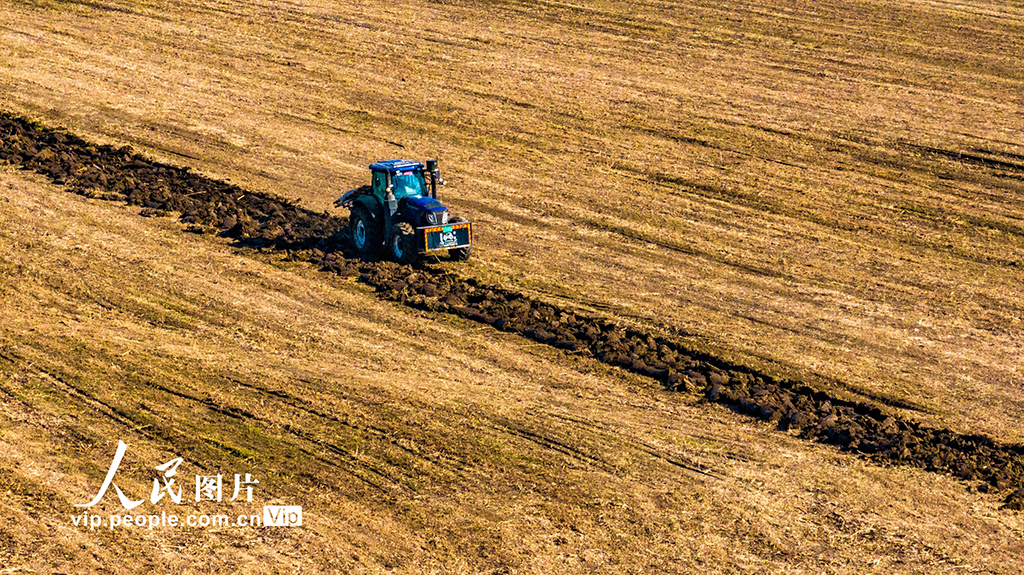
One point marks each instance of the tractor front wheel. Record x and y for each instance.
(402, 244)
(363, 231)
(459, 254)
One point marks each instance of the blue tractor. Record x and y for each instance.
(400, 210)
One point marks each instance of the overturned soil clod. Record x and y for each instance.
(110, 173)
(792, 406)
(263, 221)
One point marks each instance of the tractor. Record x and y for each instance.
(400, 211)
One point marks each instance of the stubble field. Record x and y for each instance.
(827, 192)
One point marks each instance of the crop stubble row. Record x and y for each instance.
(262, 221)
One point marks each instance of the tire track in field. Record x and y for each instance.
(675, 460)
(145, 426)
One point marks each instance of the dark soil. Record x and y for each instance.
(113, 173)
(266, 222)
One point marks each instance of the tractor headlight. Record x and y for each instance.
(439, 217)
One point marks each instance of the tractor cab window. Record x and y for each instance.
(408, 184)
(380, 183)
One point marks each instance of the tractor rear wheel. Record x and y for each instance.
(402, 244)
(363, 231)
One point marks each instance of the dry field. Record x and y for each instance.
(827, 191)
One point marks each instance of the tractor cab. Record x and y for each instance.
(405, 178)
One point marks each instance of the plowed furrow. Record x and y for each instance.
(263, 221)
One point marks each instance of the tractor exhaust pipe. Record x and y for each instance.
(435, 175)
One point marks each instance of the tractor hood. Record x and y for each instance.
(424, 204)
